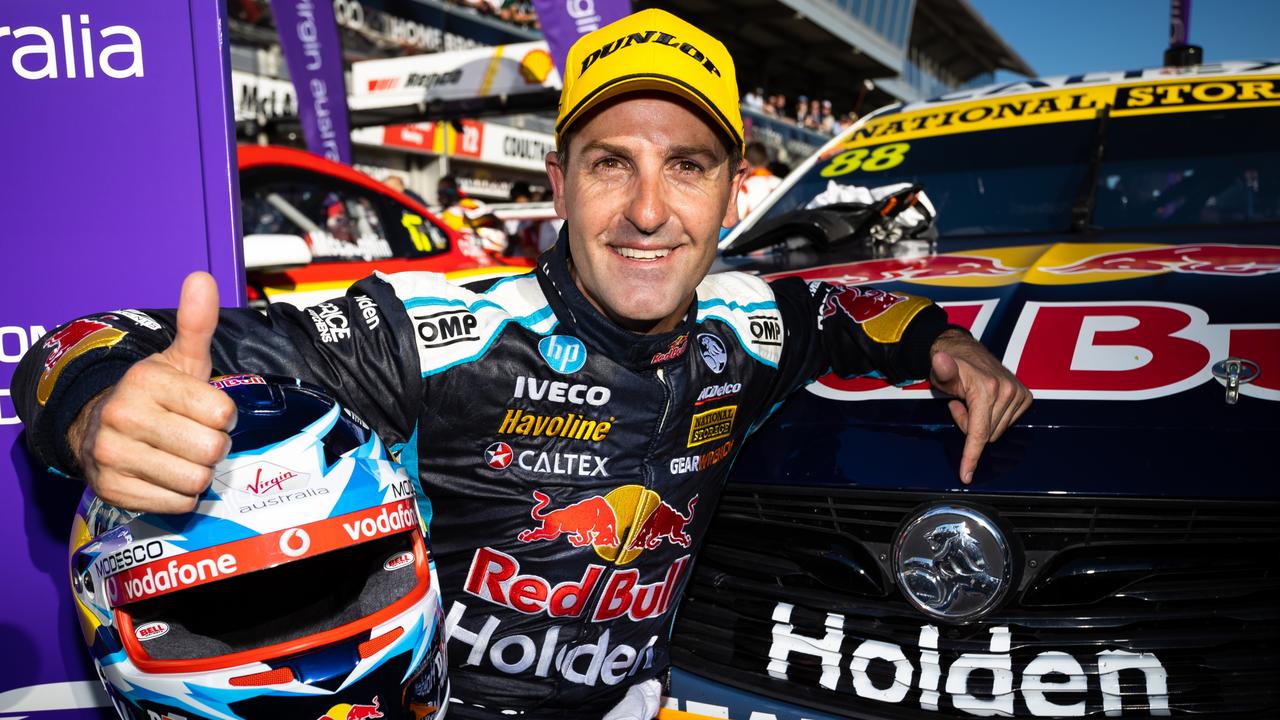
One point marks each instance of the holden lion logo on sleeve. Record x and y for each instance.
(713, 352)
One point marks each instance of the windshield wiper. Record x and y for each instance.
(1087, 195)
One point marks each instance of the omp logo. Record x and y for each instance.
(38, 58)
(446, 328)
(640, 38)
(711, 425)
(567, 425)
(765, 330)
(564, 354)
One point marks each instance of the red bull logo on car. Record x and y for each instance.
(618, 525)
(1233, 260)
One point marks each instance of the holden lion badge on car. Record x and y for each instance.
(952, 562)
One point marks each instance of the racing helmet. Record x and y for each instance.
(299, 587)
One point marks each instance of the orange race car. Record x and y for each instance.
(312, 227)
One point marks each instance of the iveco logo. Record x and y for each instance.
(952, 562)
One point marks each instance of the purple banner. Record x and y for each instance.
(118, 151)
(309, 40)
(1179, 22)
(564, 21)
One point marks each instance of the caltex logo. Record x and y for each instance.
(498, 455)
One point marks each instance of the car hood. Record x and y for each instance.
(1117, 337)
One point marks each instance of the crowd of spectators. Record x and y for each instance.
(516, 12)
(813, 114)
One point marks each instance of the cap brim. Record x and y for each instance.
(649, 81)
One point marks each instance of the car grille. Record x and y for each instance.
(1193, 584)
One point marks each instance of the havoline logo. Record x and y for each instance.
(563, 425)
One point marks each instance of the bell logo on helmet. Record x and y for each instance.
(151, 630)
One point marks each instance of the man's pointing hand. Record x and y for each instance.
(988, 397)
(150, 442)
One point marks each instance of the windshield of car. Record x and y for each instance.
(1172, 169)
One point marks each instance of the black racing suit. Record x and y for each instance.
(572, 466)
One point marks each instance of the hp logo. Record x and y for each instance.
(565, 354)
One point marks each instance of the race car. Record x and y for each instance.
(1115, 239)
(312, 227)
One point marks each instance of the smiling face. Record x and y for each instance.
(645, 189)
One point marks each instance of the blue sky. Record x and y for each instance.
(1059, 37)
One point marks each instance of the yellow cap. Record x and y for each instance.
(651, 50)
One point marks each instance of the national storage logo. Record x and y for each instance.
(711, 425)
(1066, 104)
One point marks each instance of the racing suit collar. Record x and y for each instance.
(578, 317)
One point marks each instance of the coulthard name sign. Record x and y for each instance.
(120, 178)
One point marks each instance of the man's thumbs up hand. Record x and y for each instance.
(150, 442)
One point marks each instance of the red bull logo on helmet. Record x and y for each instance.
(1232, 260)
(347, 711)
(618, 525)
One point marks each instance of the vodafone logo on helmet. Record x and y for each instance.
(295, 542)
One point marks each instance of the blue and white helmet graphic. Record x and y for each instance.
(299, 587)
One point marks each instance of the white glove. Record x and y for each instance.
(640, 703)
(908, 219)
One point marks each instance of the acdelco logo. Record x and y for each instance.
(640, 38)
(561, 392)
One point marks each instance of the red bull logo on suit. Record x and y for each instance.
(619, 525)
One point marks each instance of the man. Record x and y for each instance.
(395, 182)
(542, 414)
(758, 182)
(470, 217)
